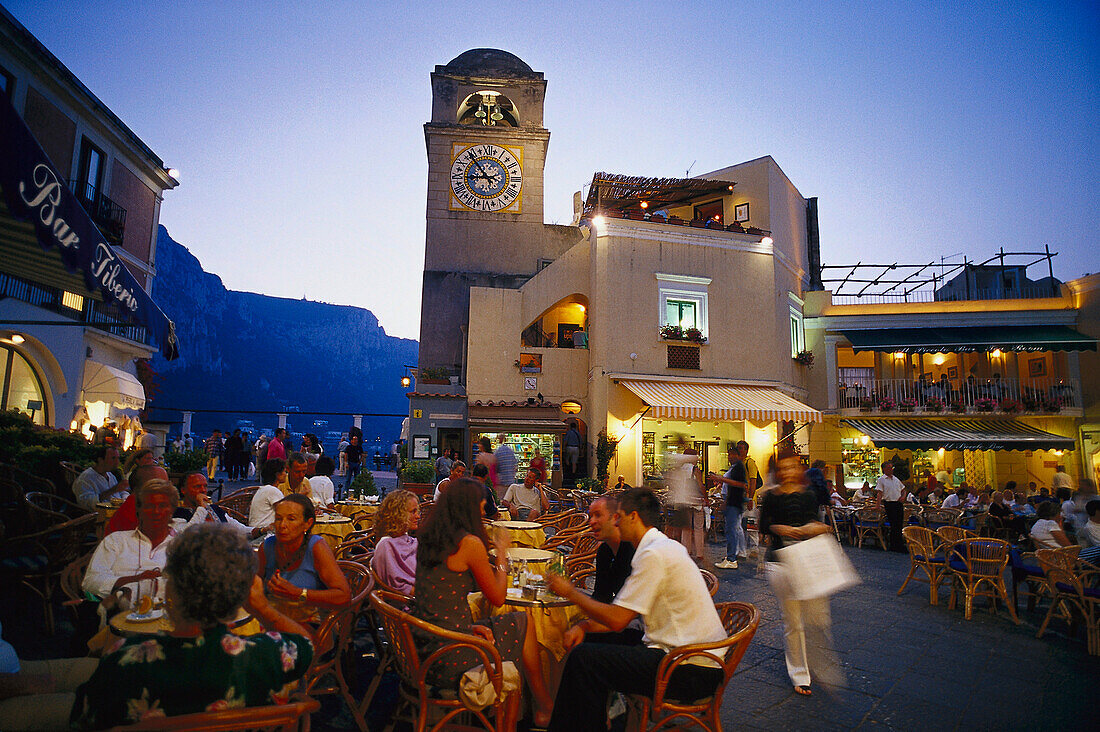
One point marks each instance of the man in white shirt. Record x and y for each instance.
(127, 564)
(98, 482)
(954, 500)
(667, 591)
(324, 492)
(526, 500)
(1060, 479)
(195, 508)
(261, 512)
(891, 492)
(458, 469)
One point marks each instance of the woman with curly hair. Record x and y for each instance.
(452, 560)
(395, 553)
(298, 569)
(201, 666)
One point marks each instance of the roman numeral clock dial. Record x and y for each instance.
(486, 177)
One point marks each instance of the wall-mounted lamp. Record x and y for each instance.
(767, 241)
(995, 353)
(406, 380)
(17, 338)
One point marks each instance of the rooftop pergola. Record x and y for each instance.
(864, 279)
(627, 192)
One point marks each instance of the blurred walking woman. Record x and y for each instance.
(788, 514)
(452, 561)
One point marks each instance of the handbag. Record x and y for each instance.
(816, 568)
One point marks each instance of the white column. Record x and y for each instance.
(357, 420)
(282, 419)
(187, 422)
(831, 377)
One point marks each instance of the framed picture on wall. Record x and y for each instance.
(1037, 367)
(530, 363)
(741, 213)
(952, 372)
(421, 447)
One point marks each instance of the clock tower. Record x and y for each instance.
(486, 150)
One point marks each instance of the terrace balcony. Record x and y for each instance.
(1039, 396)
(108, 216)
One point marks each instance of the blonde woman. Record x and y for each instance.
(395, 554)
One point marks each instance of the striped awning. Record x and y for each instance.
(682, 400)
(958, 434)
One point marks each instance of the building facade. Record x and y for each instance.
(78, 220)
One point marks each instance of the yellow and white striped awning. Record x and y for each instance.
(682, 400)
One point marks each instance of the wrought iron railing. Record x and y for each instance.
(107, 215)
(1044, 395)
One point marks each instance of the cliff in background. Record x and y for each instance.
(244, 351)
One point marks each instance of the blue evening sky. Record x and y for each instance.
(926, 129)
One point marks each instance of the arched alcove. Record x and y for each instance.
(554, 328)
(489, 108)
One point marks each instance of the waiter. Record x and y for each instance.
(891, 492)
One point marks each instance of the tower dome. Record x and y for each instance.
(490, 63)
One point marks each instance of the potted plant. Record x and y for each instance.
(184, 462)
(672, 332)
(695, 335)
(363, 485)
(958, 407)
(605, 450)
(592, 485)
(866, 404)
(887, 404)
(1052, 404)
(434, 375)
(418, 476)
(806, 358)
(984, 404)
(907, 404)
(1011, 406)
(934, 404)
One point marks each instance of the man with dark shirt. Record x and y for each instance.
(734, 484)
(613, 559)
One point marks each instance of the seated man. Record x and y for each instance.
(613, 558)
(1088, 536)
(195, 508)
(320, 483)
(125, 518)
(667, 591)
(261, 513)
(956, 499)
(458, 469)
(98, 483)
(38, 695)
(128, 564)
(527, 500)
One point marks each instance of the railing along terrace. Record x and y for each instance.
(1019, 293)
(108, 216)
(1013, 396)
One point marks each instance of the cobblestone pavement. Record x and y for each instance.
(910, 665)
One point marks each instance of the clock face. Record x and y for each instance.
(486, 177)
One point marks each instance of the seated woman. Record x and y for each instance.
(127, 564)
(298, 569)
(1047, 532)
(201, 666)
(452, 561)
(395, 553)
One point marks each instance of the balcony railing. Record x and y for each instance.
(975, 396)
(107, 215)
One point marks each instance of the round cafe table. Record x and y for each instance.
(537, 559)
(333, 528)
(523, 533)
(355, 509)
(552, 616)
(121, 624)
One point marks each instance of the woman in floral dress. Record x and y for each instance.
(201, 666)
(452, 561)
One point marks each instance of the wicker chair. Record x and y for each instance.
(576, 562)
(359, 549)
(1026, 569)
(586, 543)
(975, 562)
(911, 515)
(841, 527)
(1072, 589)
(869, 521)
(38, 559)
(46, 509)
(239, 502)
(432, 706)
(924, 554)
(332, 640)
(934, 518)
(740, 620)
(711, 579)
(951, 534)
(288, 717)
